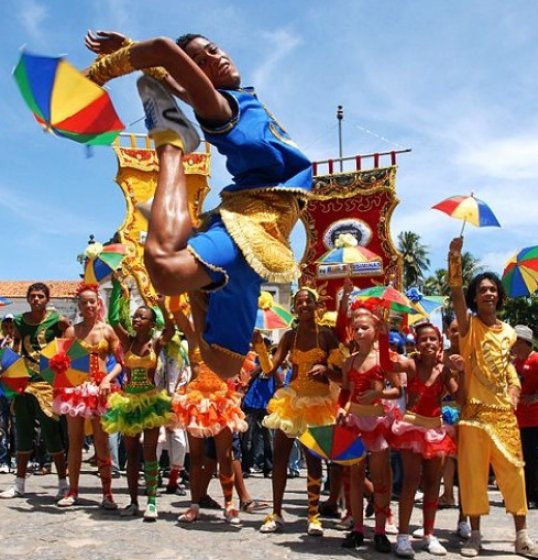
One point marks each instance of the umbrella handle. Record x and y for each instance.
(462, 228)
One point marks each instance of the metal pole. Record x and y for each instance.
(340, 116)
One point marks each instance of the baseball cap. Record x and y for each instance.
(395, 338)
(525, 333)
(8, 316)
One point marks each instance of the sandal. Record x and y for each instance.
(190, 516)
(231, 516)
(251, 506)
(273, 523)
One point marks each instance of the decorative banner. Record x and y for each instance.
(137, 178)
(360, 204)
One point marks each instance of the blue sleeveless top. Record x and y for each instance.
(259, 152)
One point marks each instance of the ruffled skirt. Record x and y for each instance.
(427, 441)
(207, 406)
(131, 414)
(374, 430)
(294, 414)
(83, 400)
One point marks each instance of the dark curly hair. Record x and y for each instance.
(184, 40)
(474, 284)
(38, 287)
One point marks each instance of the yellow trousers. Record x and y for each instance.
(476, 452)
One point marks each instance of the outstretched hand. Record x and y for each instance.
(456, 245)
(104, 42)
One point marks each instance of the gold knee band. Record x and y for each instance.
(455, 276)
(111, 66)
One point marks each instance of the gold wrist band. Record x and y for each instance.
(455, 275)
(111, 66)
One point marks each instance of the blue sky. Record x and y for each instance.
(455, 81)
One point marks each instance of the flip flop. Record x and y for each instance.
(253, 505)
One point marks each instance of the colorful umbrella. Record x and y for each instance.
(14, 374)
(469, 209)
(388, 297)
(65, 102)
(64, 362)
(4, 301)
(270, 315)
(520, 276)
(102, 260)
(340, 444)
(352, 258)
(425, 305)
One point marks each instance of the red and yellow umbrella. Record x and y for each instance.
(14, 374)
(64, 362)
(66, 103)
(520, 276)
(271, 315)
(469, 209)
(340, 444)
(387, 297)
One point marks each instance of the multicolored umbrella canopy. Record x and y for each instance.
(425, 305)
(64, 362)
(469, 209)
(271, 316)
(5, 301)
(340, 444)
(388, 297)
(520, 276)
(102, 260)
(65, 102)
(14, 374)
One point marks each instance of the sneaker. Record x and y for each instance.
(68, 501)
(472, 546)
(418, 533)
(130, 511)
(525, 546)
(4, 469)
(382, 544)
(403, 547)
(151, 513)
(12, 492)
(108, 503)
(353, 539)
(231, 516)
(346, 523)
(390, 528)
(163, 114)
(63, 492)
(273, 523)
(433, 546)
(314, 528)
(464, 530)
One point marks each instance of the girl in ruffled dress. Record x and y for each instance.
(140, 408)
(89, 400)
(421, 437)
(308, 400)
(364, 406)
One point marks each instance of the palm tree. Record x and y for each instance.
(437, 285)
(470, 267)
(415, 258)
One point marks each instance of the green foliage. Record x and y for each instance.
(521, 311)
(415, 258)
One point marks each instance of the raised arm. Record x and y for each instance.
(114, 313)
(455, 281)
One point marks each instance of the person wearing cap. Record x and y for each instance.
(526, 364)
(6, 331)
(489, 394)
(410, 344)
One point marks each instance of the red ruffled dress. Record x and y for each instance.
(374, 420)
(84, 400)
(421, 428)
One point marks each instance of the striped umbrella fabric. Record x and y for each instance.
(469, 209)
(520, 276)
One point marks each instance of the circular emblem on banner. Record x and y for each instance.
(359, 229)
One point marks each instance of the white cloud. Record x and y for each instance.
(32, 15)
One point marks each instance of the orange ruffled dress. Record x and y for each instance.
(207, 405)
(84, 400)
(304, 402)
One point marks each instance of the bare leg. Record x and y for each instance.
(381, 474)
(172, 269)
(411, 471)
(449, 470)
(280, 464)
(75, 431)
(132, 448)
(431, 477)
(223, 445)
(102, 455)
(356, 494)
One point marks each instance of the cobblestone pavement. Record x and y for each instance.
(33, 527)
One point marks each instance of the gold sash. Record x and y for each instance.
(422, 421)
(366, 409)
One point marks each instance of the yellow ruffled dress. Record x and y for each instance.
(140, 405)
(304, 402)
